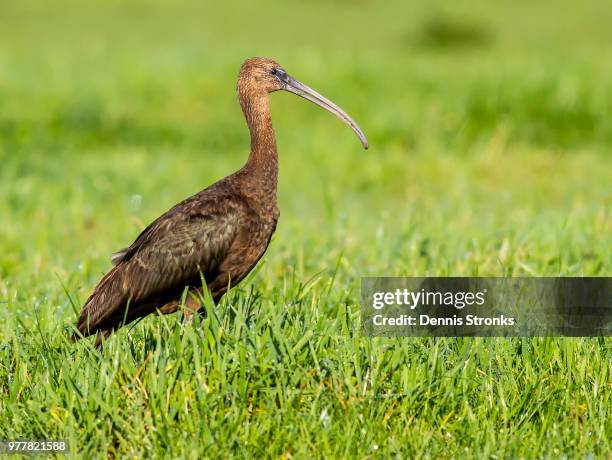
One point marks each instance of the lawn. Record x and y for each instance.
(490, 130)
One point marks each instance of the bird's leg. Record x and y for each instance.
(191, 305)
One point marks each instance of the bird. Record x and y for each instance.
(213, 239)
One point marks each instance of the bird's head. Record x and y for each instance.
(266, 75)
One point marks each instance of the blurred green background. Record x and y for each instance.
(469, 108)
(490, 128)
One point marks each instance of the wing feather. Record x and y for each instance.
(189, 241)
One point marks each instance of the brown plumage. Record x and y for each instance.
(219, 233)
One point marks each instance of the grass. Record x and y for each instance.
(490, 131)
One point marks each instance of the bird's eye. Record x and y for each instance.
(273, 71)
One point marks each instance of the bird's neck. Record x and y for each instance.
(262, 166)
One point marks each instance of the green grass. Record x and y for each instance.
(490, 132)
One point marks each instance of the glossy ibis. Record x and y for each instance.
(218, 234)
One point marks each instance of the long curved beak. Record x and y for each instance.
(294, 86)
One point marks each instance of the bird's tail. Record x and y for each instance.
(106, 299)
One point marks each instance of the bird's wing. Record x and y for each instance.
(175, 250)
